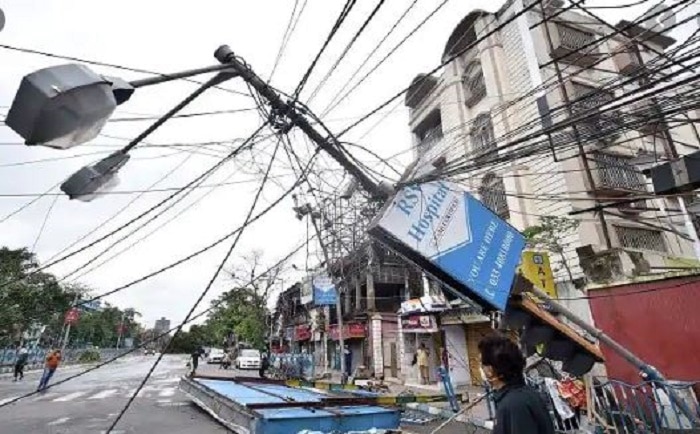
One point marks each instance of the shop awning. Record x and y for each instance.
(542, 332)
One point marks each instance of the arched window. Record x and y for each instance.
(493, 195)
(474, 84)
(482, 136)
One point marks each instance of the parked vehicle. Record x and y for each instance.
(248, 359)
(215, 355)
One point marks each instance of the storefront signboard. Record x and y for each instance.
(419, 324)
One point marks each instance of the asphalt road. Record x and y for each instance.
(88, 404)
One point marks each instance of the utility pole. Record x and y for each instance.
(66, 335)
(224, 54)
(338, 308)
(121, 330)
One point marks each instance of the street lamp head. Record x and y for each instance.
(63, 106)
(89, 182)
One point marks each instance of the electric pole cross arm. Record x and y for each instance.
(225, 55)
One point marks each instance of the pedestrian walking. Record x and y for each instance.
(196, 354)
(20, 362)
(52, 362)
(422, 360)
(519, 408)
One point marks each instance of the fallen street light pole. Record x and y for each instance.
(383, 192)
(648, 372)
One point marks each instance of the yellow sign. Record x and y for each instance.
(535, 268)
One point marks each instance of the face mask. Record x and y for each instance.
(483, 374)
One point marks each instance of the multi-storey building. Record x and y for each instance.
(481, 120)
(528, 75)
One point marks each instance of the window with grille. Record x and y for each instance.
(589, 97)
(574, 39)
(429, 132)
(615, 171)
(493, 195)
(474, 83)
(482, 136)
(641, 239)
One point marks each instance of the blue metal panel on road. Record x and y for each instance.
(289, 420)
(293, 420)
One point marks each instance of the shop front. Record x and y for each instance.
(462, 330)
(417, 330)
(302, 339)
(354, 335)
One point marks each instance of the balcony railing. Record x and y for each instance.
(615, 173)
(586, 100)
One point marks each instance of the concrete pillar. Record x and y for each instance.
(347, 294)
(358, 293)
(401, 350)
(377, 345)
(371, 305)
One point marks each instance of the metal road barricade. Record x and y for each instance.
(37, 356)
(292, 366)
(619, 407)
(616, 407)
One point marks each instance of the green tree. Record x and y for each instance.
(101, 328)
(28, 297)
(243, 309)
(548, 236)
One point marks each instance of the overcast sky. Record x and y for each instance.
(167, 36)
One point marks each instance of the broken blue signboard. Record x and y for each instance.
(455, 238)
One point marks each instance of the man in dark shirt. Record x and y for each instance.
(519, 408)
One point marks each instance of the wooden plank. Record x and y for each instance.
(549, 319)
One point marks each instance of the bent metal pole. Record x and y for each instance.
(648, 372)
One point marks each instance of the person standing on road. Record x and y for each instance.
(52, 362)
(519, 408)
(422, 360)
(196, 354)
(264, 365)
(20, 361)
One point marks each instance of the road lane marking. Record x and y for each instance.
(59, 421)
(169, 391)
(104, 394)
(69, 397)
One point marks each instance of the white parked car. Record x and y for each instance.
(215, 355)
(248, 359)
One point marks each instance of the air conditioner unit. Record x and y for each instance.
(626, 59)
(634, 207)
(567, 43)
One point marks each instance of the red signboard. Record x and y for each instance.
(302, 332)
(357, 330)
(419, 324)
(72, 316)
(352, 330)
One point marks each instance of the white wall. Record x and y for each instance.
(456, 342)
